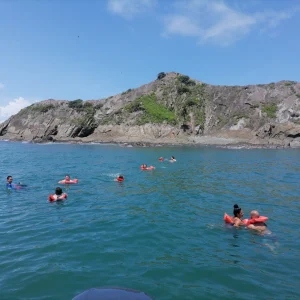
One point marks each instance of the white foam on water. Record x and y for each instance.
(112, 174)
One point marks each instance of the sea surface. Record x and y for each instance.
(159, 231)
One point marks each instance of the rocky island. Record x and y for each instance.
(173, 109)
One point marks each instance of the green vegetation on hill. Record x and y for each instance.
(152, 111)
(86, 123)
(270, 110)
(37, 107)
(191, 104)
(81, 106)
(42, 108)
(290, 83)
(186, 80)
(161, 75)
(126, 92)
(178, 102)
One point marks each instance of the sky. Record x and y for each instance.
(92, 49)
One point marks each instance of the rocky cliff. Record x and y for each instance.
(172, 109)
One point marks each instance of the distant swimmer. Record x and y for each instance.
(10, 185)
(144, 167)
(172, 159)
(120, 178)
(161, 159)
(58, 195)
(257, 222)
(67, 180)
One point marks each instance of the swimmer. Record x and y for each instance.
(144, 167)
(172, 159)
(59, 195)
(120, 178)
(258, 226)
(238, 214)
(9, 184)
(68, 180)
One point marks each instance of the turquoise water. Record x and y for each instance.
(159, 231)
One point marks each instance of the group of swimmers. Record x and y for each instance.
(60, 195)
(256, 222)
(144, 166)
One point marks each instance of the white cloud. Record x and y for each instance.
(129, 8)
(12, 108)
(214, 21)
(2, 86)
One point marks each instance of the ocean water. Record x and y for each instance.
(159, 231)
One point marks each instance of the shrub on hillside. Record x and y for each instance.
(161, 75)
(42, 108)
(270, 110)
(186, 80)
(183, 90)
(76, 104)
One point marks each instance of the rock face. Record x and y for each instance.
(171, 109)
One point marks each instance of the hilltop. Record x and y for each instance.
(171, 109)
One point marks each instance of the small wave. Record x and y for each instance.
(112, 175)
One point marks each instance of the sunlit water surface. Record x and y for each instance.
(159, 231)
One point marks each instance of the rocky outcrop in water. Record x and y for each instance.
(172, 109)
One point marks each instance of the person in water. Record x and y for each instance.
(59, 195)
(238, 214)
(258, 226)
(67, 179)
(9, 184)
(172, 159)
(120, 178)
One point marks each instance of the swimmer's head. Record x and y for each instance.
(121, 176)
(172, 157)
(254, 214)
(237, 211)
(9, 179)
(67, 177)
(58, 191)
